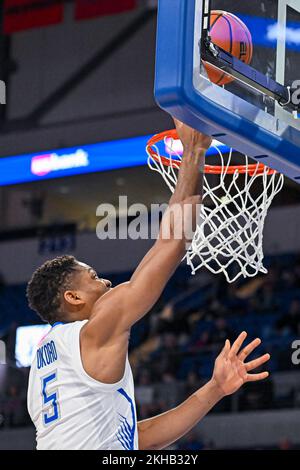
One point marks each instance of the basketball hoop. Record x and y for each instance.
(235, 203)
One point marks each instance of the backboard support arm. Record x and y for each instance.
(248, 75)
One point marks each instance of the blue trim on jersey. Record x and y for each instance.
(57, 323)
(126, 432)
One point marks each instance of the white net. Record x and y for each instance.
(229, 238)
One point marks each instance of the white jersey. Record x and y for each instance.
(70, 409)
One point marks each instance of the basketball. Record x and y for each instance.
(231, 34)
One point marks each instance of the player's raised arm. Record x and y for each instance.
(124, 305)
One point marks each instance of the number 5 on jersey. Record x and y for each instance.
(50, 403)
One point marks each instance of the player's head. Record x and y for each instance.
(64, 289)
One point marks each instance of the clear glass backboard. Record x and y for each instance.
(274, 26)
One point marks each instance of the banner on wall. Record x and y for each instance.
(85, 9)
(21, 15)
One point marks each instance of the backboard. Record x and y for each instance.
(258, 113)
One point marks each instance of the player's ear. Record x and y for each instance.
(72, 297)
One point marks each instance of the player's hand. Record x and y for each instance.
(192, 139)
(231, 371)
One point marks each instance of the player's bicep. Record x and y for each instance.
(147, 284)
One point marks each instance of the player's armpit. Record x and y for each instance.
(106, 363)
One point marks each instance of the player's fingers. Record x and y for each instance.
(256, 377)
(249, 349)
(226, 349)
(257, 362)
(237, 344)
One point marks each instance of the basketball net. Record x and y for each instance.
(229, 237)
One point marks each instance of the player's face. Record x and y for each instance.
(91, 284)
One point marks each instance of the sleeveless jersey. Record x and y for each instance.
(70, 409)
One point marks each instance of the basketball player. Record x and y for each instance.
(81, 391)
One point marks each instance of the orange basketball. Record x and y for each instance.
(230, 33)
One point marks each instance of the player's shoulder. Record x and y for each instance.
(62, 333)
(61, 329)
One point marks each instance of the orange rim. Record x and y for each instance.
(252, 169)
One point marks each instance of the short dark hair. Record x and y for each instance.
(47, 284)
